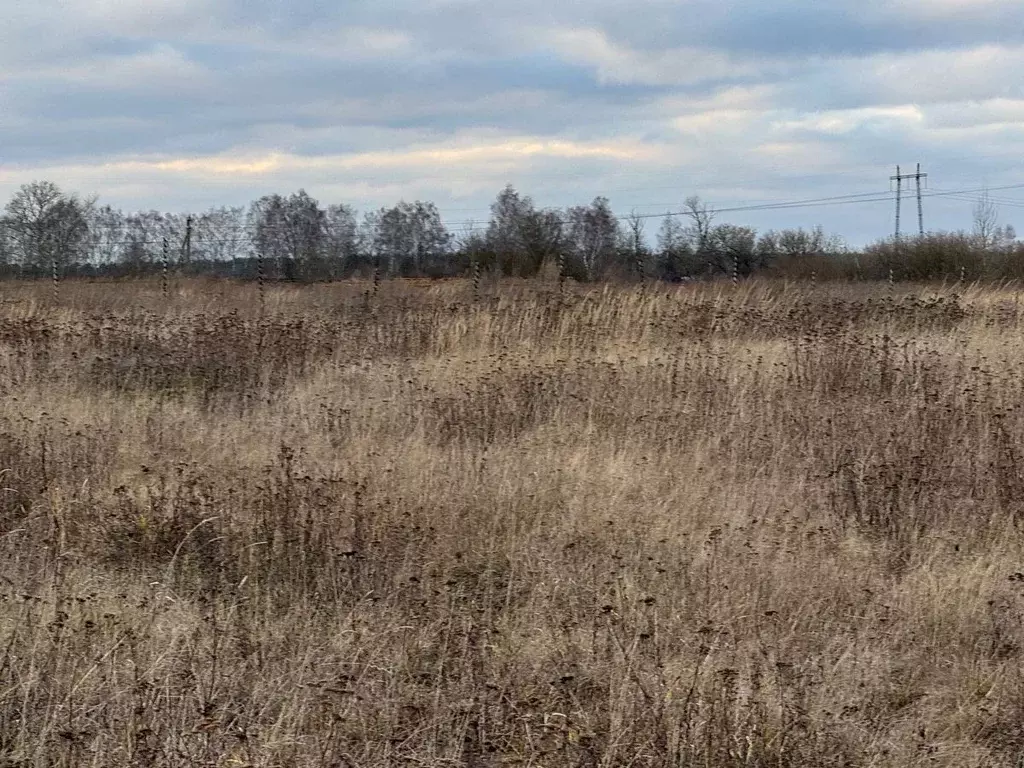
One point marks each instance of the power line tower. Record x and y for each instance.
(899, 178)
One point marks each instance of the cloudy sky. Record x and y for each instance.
(183, 104)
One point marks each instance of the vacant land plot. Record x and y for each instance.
(758, 526)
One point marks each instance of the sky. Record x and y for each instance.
(180, 105)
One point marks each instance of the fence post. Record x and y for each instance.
(164, 287)
(56, 280)
(259, 281)
(476, 277)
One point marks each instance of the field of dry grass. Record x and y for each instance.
(771, 525)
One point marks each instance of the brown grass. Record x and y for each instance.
(765, 526)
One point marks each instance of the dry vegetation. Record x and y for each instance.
(758, 526)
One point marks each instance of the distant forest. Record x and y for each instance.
(45, 230)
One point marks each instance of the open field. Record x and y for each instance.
(771, 525)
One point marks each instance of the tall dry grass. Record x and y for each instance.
(764, 526)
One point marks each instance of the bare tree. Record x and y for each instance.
(472, 245)
(505, 235)
(289, 230)
(986, 221)
(701, 217)
(543, 235)
(6, 255)
(342, 239)
(592, 236)
(142, 236)
(219, 234)
(675, 254)
(734, 247)
(45, 226)
(797, 244)
(634, 237)
(106, 232)
(410, 238)
(368, 237)
(520, 237)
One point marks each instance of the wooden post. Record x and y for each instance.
(164, 287)
(188, 240)
(259, 281)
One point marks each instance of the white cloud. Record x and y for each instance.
(159, 67)
(944, 9)
(462, 155)
(337, 42)
(988, 112)
(188, 102)
(842, 121)
(447, 165)
(979, 72)
(619, 64)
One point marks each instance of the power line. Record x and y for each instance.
(866, 197)
(996, 201)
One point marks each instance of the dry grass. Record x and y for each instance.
(765, 526)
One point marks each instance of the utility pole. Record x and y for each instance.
(899, 179)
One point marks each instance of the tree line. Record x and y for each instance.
(295, 237)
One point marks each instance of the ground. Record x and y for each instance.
(768, 525)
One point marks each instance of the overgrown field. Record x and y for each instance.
(773, 525)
